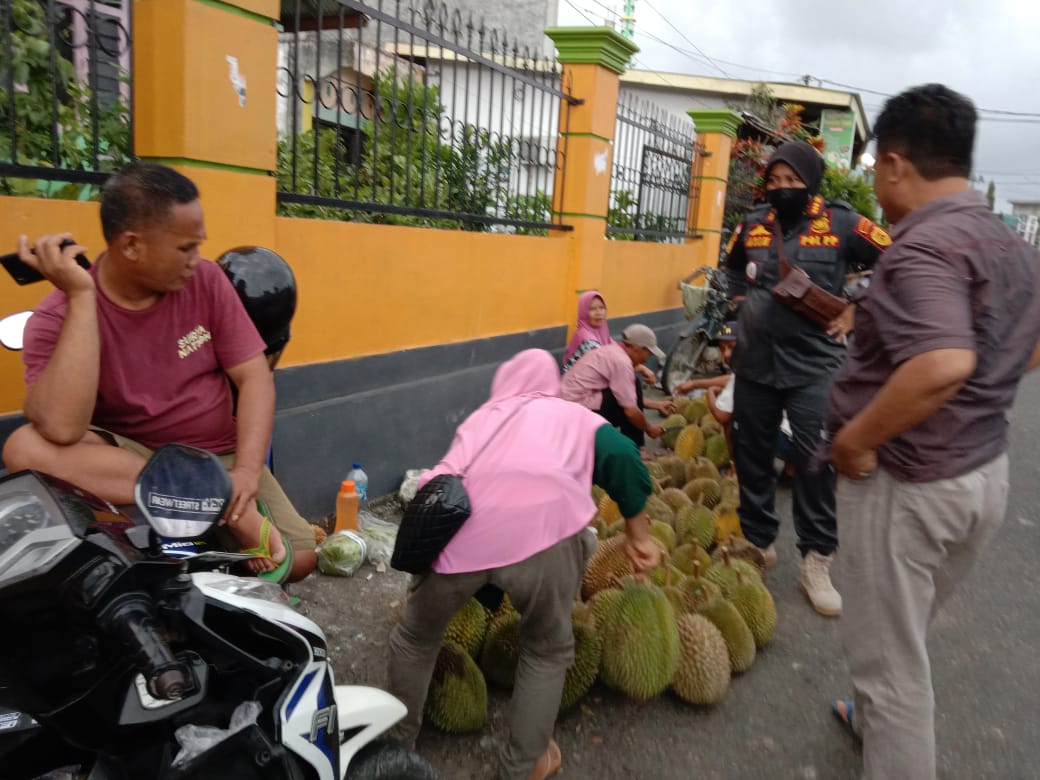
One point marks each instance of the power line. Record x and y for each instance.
(979, 110)
(683, 36)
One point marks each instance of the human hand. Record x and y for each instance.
(58, 265)
(654, 431)
(842, 324)
(647, 374)
(645, 554)
(667, 407)
(245, 482)
(851, 459)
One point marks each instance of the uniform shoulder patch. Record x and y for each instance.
(873, 233)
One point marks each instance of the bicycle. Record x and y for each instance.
(693, 356)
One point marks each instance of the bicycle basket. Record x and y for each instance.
(693, 299)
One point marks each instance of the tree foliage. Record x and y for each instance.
(413, 156)
(49, 116)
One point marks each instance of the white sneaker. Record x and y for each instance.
(768, 556)
(815, 582)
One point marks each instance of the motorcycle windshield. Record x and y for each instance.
(36, 529)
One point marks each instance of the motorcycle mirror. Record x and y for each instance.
(12, 327)
(182, 491)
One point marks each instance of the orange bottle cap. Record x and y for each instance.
(349, 486)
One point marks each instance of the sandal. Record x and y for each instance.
(548, 763)
(279, 573)
(845, 710)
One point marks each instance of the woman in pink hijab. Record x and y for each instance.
(592, 330)
(530, 459)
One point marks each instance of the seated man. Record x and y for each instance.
(604, 381)
(137, 352)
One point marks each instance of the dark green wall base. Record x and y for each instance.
(392, 412)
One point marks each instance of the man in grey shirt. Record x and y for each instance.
(918, 417)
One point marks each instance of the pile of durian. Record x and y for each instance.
(689, 625)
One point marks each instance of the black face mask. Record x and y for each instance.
(789, 202)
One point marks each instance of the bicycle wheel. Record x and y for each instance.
(682, 361)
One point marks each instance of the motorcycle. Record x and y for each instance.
(693, 355)
(121, 662)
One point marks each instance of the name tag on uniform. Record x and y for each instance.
(752, 271)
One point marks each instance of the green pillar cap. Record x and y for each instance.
(715, 120)
(593, 45)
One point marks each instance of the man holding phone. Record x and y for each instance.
(137, 352)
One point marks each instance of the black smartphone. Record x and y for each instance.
(23, 273)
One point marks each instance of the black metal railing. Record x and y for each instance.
(415, 115)
(650, 183)
(65, 92)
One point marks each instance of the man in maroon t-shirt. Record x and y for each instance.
(138, 351)
(918, 416)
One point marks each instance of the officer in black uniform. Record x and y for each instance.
(784, 361)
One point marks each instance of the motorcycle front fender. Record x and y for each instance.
(371, 710)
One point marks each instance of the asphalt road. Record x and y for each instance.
(775, 722)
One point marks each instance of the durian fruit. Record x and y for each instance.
(694, 410)
(703, 490)
(698, 468)
(468, 627)
(727, 523)
(588, 649)
(608, 510)
(703, 674)
(457, 698)
(716, 450)
(640, 642)
(600, 526)
(755, 604)
(666, 574)
(675, 498)
(501, 652)
(740, 642)
(597, 494)
(684, 556)
(730, 489)
(698, 593)
(726, 573)
(672, 421)
(674, 468)
(606, 567)
(659, 510)
(689, 443)
(600, 605)
(615, 528)
(656, 471)
(664, 533)
(710, 429)
(581, 613)
(695, 523)
(740, 548)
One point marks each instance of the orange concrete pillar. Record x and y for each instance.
(593, 59)
(204, 103)
(716, 132)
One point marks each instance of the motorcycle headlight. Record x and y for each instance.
(34, 533)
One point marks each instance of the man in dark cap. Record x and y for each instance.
(784, 360)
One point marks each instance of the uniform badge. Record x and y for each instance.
(752, 271)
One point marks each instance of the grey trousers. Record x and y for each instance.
(542, 588)
(904, 548)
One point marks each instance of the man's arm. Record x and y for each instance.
(255, 384)
(638, 419)
(914, 391)
(60, 402)
(702, 384)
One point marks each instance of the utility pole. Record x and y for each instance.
(628, 19)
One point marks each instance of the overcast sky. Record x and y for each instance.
(988, 50)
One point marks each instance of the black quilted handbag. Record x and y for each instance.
(430, 520)
(434, 516)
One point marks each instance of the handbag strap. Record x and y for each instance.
(778, 239)
(494, 433)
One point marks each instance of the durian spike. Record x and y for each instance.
(725, 556)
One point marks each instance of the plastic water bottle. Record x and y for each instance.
(360, 480)
(347, 507)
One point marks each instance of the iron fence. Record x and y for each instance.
(654, 154)
(415, 115)
(65, 92)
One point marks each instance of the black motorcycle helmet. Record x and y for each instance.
(265, 283)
